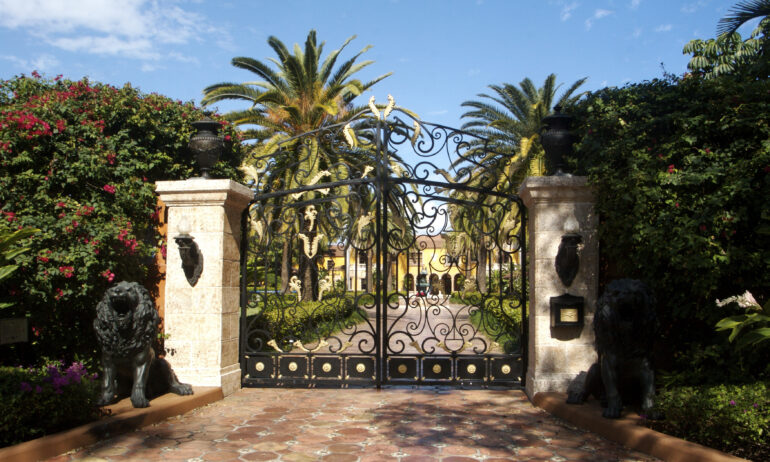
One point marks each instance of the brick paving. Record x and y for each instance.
(360, 425)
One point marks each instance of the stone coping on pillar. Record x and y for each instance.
(202, 191)
(540, 189)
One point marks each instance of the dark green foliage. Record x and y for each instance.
(39, 401)
(286, 319)
(731, 418)
(78, 160)
(682, 176)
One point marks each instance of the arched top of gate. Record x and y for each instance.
(386, 143)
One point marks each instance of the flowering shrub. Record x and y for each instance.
(78, 160)
(731, 418)
(682, 173)
(38, 401)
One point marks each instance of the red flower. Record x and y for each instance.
(671, 168)
(109, 188)
(43, 259)
(61, 204)
(60, 126)
(111, 158)
(227, 137)
(66, 271)
(109, 275)
(703, 228)
(59, 294)
(676, 205)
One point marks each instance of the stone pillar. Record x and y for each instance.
(557, 355)
(202, 322)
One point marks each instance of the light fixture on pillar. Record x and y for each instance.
(206, 145)
(189, 252)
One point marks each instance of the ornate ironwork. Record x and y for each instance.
(402, 201)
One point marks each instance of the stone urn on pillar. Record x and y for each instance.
(206, 145)
(557, 142)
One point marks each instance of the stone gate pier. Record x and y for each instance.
(559, 205)
(202, 321)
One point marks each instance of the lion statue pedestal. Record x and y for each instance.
(126, 325)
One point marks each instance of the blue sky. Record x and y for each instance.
(441, 52)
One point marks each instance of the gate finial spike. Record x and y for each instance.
(389, 107)
(374, 108)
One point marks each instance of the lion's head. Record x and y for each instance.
(126, 319)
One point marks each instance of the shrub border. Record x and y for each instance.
(628, 431)
(124, 418)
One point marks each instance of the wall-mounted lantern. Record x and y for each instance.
(189, 252)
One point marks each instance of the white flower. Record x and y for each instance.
(746, 300)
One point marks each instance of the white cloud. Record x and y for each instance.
(474, 71)
(637, 32)
(663, 28)
(41, 63)
(634, 4)
(690, 8)
(598, 14)
(130, 28)
(566, 10)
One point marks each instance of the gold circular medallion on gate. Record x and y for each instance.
(506, 369)
(360, 367)
(471, 368)
(260, 367)
(436, 369)
(326, 367)
(402, 368)
(293, 366)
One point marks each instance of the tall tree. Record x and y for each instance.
(511, 119)
(299, 93)
(741, 13)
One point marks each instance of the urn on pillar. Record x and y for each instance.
(206, 145)
(557, 142)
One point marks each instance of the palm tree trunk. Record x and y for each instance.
(369, 271)
(481, 269)
(285, 265)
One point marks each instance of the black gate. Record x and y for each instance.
(383, 253)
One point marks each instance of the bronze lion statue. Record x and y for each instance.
(624, 325)
(126, 326)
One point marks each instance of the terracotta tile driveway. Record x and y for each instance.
(392, 424)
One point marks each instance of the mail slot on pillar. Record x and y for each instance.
(566, 311)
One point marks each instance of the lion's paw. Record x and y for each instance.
(139, 400)
(182, 389)
(611, 412)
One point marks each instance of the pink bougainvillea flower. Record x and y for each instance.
(109, 188)
(671, 168)
(67, 271)
(59, 294)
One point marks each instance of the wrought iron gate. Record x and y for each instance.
(383, 252)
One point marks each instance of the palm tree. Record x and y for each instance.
(299, 94)
(512, 121)
(741, 13)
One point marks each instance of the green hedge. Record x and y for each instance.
(731, 418)
(682, 173)
(39, 401)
